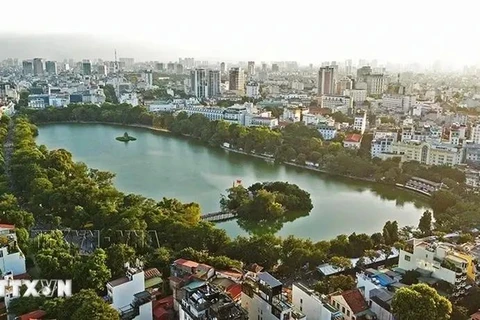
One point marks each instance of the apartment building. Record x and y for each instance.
(441, 261)
(399, 103)
(360, 122)
(336, 103)
(12, 259)
(129, 296)
(314, 306)
(429, 153)
(263, 298)
(327, 132)
(202, 301)
(457, 134)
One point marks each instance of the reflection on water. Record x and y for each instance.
(160, 165)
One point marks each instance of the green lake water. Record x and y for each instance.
(160, 165)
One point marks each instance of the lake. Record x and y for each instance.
(161, 165)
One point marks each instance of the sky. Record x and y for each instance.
(307, 31)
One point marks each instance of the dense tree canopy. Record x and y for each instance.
(419, 301)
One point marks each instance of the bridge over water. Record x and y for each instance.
(218, 216)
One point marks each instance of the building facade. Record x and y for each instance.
(237, 80)
(326, 81)
(199, 84)
(214, 81)
(429, 153)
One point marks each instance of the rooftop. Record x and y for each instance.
(355, 300)
(269, 279)
(354, 137)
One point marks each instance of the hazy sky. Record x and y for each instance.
(306, 31)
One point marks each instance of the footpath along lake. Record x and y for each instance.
(160, 165)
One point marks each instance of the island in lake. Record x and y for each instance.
(267, 201)
(126, 138)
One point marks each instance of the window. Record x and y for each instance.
(343, 309)
(301, 301)
(348, 313)
(407, 257)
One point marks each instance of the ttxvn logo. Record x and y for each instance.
(35, 288)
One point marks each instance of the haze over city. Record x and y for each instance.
(304, 31)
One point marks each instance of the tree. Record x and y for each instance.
(425, 224)
(390, 232)
(459, 313)
(341, 262)
(420, 301)
(86, 304)
(92, 271)
(341, 282)
(117, 256)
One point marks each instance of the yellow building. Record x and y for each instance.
(428, 153)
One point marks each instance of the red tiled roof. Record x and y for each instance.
(151, 273)
(186, 263)
(159, 313)
(354, 137)
(235, 290)
(7, 226)
(34, 315)
(355, 300)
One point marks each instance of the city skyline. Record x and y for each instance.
(304, 33)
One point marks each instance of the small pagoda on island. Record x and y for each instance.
(126, 138)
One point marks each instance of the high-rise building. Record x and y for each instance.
(213, 83)
(127, 63)
(275, 67)
(27, 67)
(179, 68)
(160, 66)
(264, 67)
(252, 89)
(326, 81)
(237, 80)
(51, 67)
(199, 85)
(171, 67)
(86, 67)
(148, 77)
(251, 68)
(38, 66)
(223, 67)
(102, 69)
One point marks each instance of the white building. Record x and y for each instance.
(399, 103)
(252, 89)
(12, 258)
(442, 261)
(382, 145)
(472, 153)
(310, 119)
(260, 121)
(147, 77)
(162, 106)
(457, 134)
(199, 83)
(128, 97)
(352, 304)
(8, 109)
(336, 103)
(352, 141)
(297, 85)
(312, 305)
(262, 297)
(327, 132)
(129, 297)
(211, 113)
(475, 133)
(357, 95)
(360, 122)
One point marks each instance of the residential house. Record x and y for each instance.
(352, 141)
(129, 296)
(314, 306)
(352, 305)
